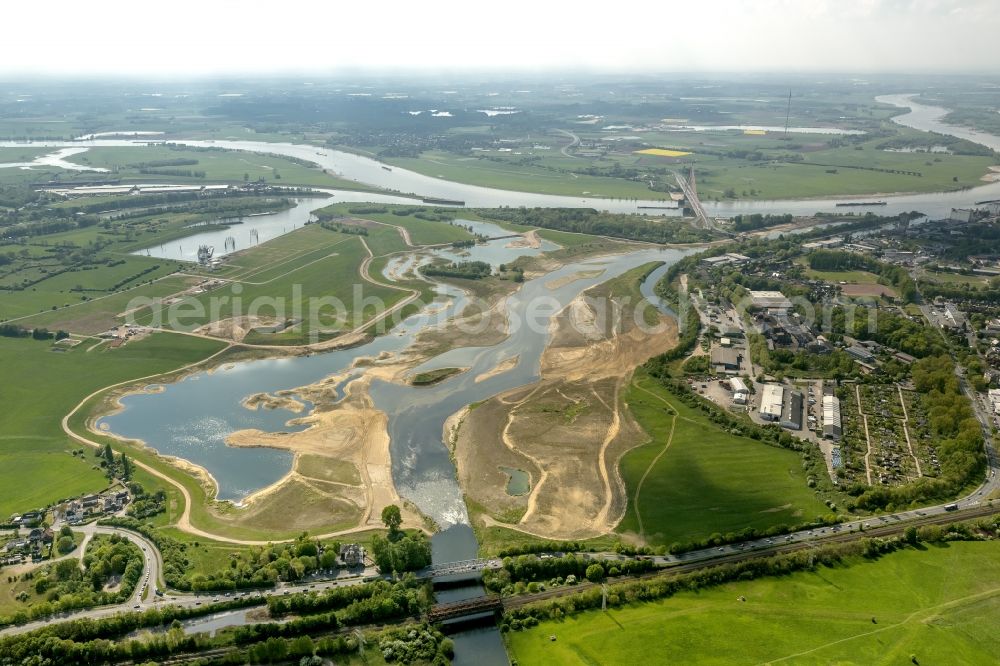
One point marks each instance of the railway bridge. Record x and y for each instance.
(459, 609)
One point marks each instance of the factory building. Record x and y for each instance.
(791, 410)
(831, 418)
(771, 402)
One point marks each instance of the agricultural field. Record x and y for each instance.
(507, 174)
(940, 608)
(181, 164)
(693, 480)
(729, 164)
(44, 382)
(275, 283)
(80, 275)
(426, 226)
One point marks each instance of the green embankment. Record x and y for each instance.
(935, 605)
(213, 165)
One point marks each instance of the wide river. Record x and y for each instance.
(400, 181)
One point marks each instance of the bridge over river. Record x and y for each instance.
(460, 567)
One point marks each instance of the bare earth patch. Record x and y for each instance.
(568, 432)
(867, 290)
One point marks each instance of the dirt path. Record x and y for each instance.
(509, 443)
(602, 462)
(906, 432)
(652, 464)
(923, 614)
(868, 439)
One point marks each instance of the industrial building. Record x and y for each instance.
(741, 394)
(831, 418)
(725, 359)
(770, 300)
(771, 402)
(730, 258)
(791, 410)
(859, 353)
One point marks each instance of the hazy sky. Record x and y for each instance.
(189, 37)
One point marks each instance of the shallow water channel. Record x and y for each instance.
(192, 417)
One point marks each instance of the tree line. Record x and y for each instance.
(667, 585)
(593, 222)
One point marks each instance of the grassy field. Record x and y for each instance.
(937, 605)
(944, 277)
(80, 287)
(730, 165)
(835, 277)
(218, 166)
(97, 314)
(42, 385)
(434, 376)
(422, 231)
(279, 279)
(693, 480)
(22, 153)
(506, 175)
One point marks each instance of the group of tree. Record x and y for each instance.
(115, 467)
(888, 328)
(145, 504)
(255, 567)
(468, 270)
(65, 586)
(531, 568)
(355, 603)
(15, 331)
(597, 223)
(106, 640)
(344, 228)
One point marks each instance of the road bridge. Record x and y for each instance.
(460, 567)
(690, 189)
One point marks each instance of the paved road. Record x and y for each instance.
(574, 140)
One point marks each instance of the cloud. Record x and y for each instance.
(188, 38)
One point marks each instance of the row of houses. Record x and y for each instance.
(27, 519)
(79, 510)
(17, 549)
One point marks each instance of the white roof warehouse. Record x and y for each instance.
(771, 401)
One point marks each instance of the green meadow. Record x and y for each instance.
(935, 605)
(693, 479)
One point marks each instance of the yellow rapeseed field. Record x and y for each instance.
(662, 152)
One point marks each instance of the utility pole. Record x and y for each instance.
(604, 596)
